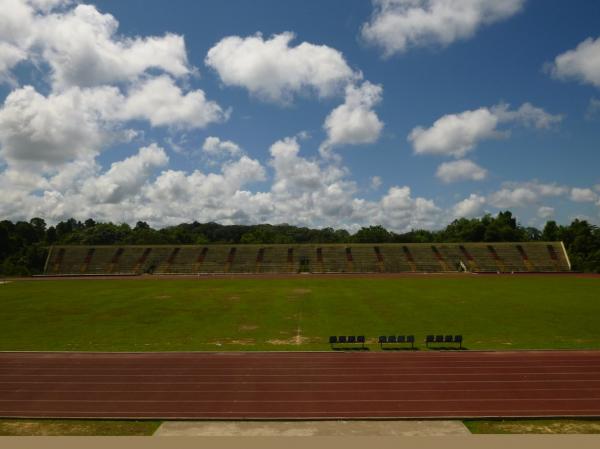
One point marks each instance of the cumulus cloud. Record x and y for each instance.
(545, 212)
(160, 101)
(455, 134)
(10, 55)
(16, 25)
(295, 174)
(77, 122)
(125, 178)
(581, 64)
(83, 48)
(275, 71)
(214, 146)
(100, 82)
(523, 194)
(81, 45)
(527, 115)
(354, 122)
(460, 170)
(376, 182)
(60, 127)
(458, 134)
(469, 207)
(585, 195)
(399, 210)
(397, 25)
(311, 192)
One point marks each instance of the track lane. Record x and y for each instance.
(300, 385)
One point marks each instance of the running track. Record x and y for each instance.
(300, 385)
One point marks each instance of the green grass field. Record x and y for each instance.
(76, 427)
(534, 426)
(492, 312)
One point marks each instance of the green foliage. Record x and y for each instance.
(22, 244)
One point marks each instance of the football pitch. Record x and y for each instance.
(297, 313)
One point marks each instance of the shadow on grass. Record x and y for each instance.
(399, 348)
(447, 348)
(350, 348)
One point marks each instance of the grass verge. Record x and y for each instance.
(535, 426)
(76, 427)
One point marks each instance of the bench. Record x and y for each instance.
(396, 340)
(444, 339)
(347, 340)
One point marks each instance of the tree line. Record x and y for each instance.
(24, 244)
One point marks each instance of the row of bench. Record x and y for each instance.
(396, 340)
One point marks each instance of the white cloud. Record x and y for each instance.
(294, 174)
(81, 45)
(460, 170)
(398, 210)
(308, 192)
(60, 127)
(18, 25)
(516, 197)
(455, 134)
(126, 177)
(10, 55)
(458, 134)
(593, 110)
(397, 25)
(469, 207)
(214, 146)
(163, 103)
(354, 122)
(582, 63)
(545, 212)
(376, 182)
(523, 194)
(52, 130)
(83, 49)
(583, 195)
(274, 71)
(527, 115)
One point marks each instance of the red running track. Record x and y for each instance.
(300, 385)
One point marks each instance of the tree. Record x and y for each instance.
(372, 234)
(550, 232)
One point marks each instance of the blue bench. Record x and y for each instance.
(444, 339)
(347, 340)
(397, 340)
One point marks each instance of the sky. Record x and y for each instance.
(343, 113)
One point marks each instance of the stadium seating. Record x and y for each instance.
(348, 258)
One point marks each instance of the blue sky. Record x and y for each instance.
(401, 113)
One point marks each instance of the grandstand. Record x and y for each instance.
(313, 258)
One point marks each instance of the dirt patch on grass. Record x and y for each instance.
(243, 342)
(293, 341)
(247, 327)
(233, 298)
(302, 291)
(163, 297)
(238, 342)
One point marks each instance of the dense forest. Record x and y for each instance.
(23, 245)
